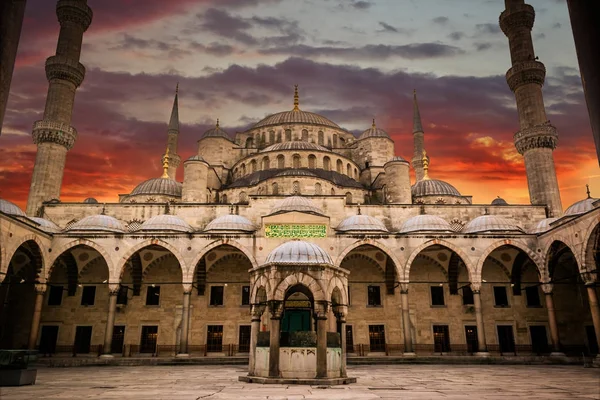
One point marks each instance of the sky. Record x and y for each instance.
(354, 60)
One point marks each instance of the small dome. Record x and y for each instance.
(195, 158)
(397, 159)
(230, 222)
(98, 223)
(298, 252)
(361, 223)
(374, 131)
(295, 145)
(433, 187)
(10, 208)
(581, 207)
(166, 222)
(499, 201)
(295, 117)
(425, 223)
(45, 225)
(216, 132)
(542, 226)
(158, 186)
(296, 203)
(490, 223)
(90, 200)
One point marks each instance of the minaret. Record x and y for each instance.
(537, 138)
(173, 137)
(54, 134)
(419, 140)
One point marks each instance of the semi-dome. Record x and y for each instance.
(361, 223)
(425, 223)
(98, 223)
(296, 203)
(542, 226)
(295, 145)
(158, 186)
(216, 132)
(490, 223)
(298, 252)
(581, 207)
(499, 201)
(165, 222)
(45, 225)
(11, 208)
(374, 131)
(230, 222)
(433, 187)
(295, 117)
(90, 200)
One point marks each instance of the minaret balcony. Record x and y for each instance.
(61, 67)
(539, 136)
(54, 132)
(522, 16)
(526, 72)
(74, 11)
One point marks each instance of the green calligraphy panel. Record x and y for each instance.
(295, 231)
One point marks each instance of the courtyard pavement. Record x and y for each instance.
(374, 382)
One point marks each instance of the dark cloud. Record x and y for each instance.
(457, 35)
(487, 29)
(391, 29)
(361, 5)
(481, 46)
(441, 20)
(556, 25)
(216, 49)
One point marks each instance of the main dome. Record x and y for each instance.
(298, 252)
(295, 117)
(295, 145)
(161, 186)
(433, 187)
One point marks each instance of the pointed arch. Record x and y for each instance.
(82, 242)
(11, 252)
(146, 243)
(261, 283)
(302, 279)
(388, 252)
(513, 243)
(591, 242)
(567, 242)
(336, 283)
(189, 277)
(465, 259)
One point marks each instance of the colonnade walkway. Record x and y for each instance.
(486, 382)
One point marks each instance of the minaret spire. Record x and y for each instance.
(54, 135)
(537, 138)
(173, 137)
(418, 140)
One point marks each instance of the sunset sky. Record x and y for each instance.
(238, 60)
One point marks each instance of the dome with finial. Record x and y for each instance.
(10, 208)
(295, 116)
(425, 223)
(499, 201)
(230, 223)
(217, 131)
(299, 252)
(165, 222)
(432, 187)
(361, 223)
(374, 131)
(90, 200)
(99, 222)
(582, 206)
(158, 186)
(491, 223)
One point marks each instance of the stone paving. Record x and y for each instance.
(374, 382)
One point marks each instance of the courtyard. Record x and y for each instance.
(374, 382)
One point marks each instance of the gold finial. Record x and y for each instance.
(587, 189)
(296, 99)
(373, 126)
(217, 122)
(165, 174)
(425, 165)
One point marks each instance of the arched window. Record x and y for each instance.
(280, 161)
(253, 165)
(339, 166)
(348, 198)
(278, 137)
(257, 140)
(312, 161)
(249, 142)
(224, 199)
(355, 174)
(275, 188)
(266, 164)
(243, 198)
(318, 189)
(349, 170)
(271, 137)
(263, 139)
(305, 135)
(326, 163)
(329, 142)
(321, 138)
(288, 135)
(332, 192)
(243, 169)
(296, 161)
(296, 187)
(335, 141)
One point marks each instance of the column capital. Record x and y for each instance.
(476, 287)
(187, 287)
(114, 288)
(40, 288)
(403, 287)
(547, 288)
(321, 309)
(276, 309)
(590, 278)
(257, 311)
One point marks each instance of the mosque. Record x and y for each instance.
(298, 233)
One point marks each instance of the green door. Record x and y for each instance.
(295, 320)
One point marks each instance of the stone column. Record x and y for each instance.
(113, 292)
(185, 322)
(595, 310)
(256, 312)
(276, 309)
(321, 316)
(481, 344)
(547, 288)
(40, 289)
(408, 344)
(341, 320)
